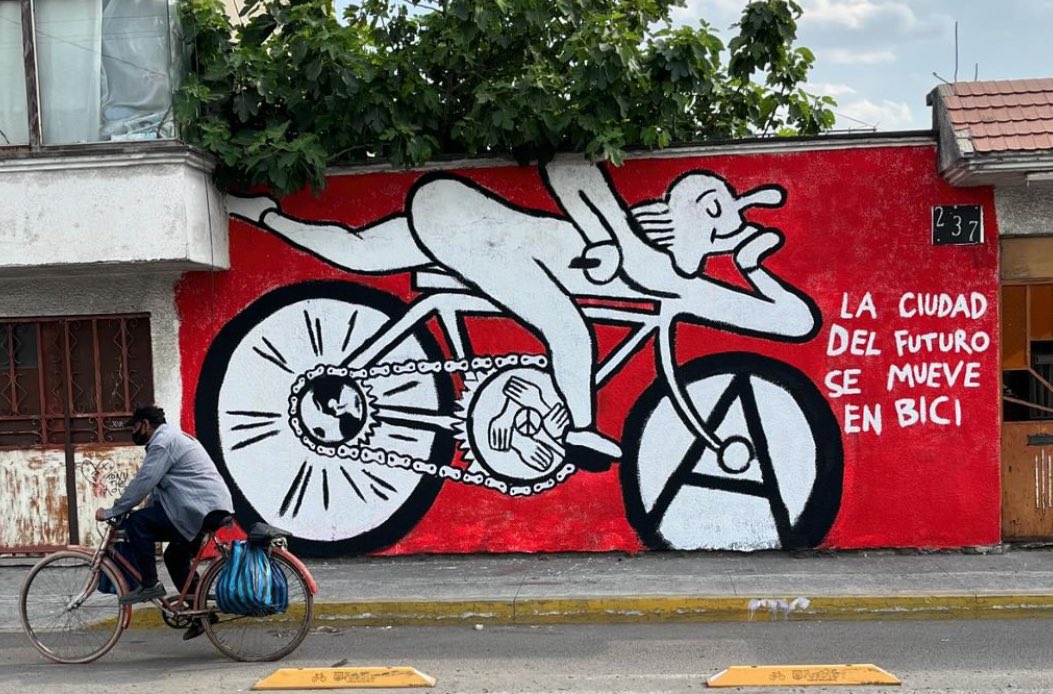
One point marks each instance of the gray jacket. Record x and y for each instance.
(181, 477)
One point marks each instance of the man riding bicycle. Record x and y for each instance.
(187, 495)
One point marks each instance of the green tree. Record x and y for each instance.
(288, 89)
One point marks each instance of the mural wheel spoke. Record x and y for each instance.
(684, 473)
(769, 482)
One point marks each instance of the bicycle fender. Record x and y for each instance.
(295, 561)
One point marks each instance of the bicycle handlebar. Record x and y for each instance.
(116, 520)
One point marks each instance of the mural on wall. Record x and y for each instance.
(475, 344)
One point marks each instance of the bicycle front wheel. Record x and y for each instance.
(258, 638)
(62, 612)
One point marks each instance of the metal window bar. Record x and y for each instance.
(82, 420)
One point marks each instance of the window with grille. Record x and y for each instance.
(1027, 352)
(72, 380)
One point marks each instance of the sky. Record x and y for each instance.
(877, 57)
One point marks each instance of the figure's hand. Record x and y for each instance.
(556, 421)
(758, 247)
(500, 433)
(251, 208)
(100, 514)
(600, 262)
(525, 393)
(534, 453)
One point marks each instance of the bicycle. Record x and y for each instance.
(69, 620)
(375, 421)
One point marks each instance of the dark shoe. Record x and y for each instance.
(588, 460)
(142, 594)
(196, 629)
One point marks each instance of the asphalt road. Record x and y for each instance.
(938, 656)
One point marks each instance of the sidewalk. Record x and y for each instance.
(576, 588)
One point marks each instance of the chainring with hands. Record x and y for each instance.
(476, 373)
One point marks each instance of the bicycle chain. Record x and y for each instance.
(379, 456)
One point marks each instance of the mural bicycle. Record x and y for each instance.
(363, 412)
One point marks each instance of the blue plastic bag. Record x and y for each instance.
(250, 584)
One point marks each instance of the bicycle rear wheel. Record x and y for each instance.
(258, 638)
(59, 629)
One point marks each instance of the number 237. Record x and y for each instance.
(971, 227)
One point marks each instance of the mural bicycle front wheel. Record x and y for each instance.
(680, 494)
(273, 408)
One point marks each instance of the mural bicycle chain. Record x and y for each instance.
(379, 456)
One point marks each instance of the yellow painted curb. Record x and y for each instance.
(636, 609)
(801, 676)
(345, 678)
(672, 608)
(416, 612)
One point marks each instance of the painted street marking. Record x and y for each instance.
(345, 678)
(801, 676)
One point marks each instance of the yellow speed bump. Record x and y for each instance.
(345, 678)
(800, 676)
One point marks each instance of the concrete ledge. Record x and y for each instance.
(657, 609)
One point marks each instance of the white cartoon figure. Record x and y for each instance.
(533, 264)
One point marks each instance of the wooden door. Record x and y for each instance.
(1027, 481)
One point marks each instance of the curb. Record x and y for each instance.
(664, 609)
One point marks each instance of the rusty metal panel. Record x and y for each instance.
(35, 509)
(102, 474)
(1027, 481)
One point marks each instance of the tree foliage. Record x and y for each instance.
(286, 90)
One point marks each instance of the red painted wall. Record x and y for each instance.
(856, 222)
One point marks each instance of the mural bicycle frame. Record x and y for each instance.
(727, 451)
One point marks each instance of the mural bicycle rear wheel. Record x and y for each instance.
(332, 505)
(677, 493)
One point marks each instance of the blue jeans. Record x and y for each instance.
(151, 525)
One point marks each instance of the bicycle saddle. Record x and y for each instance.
(216, 520)
(261, 533)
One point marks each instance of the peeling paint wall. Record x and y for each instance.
(35, 508)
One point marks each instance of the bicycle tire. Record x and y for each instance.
(205, 600)
(108, 603)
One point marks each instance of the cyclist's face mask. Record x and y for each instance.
(140, 435)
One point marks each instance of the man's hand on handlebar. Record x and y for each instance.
(100, 516)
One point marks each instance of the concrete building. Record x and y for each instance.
(102, 211)
(1000, 134)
